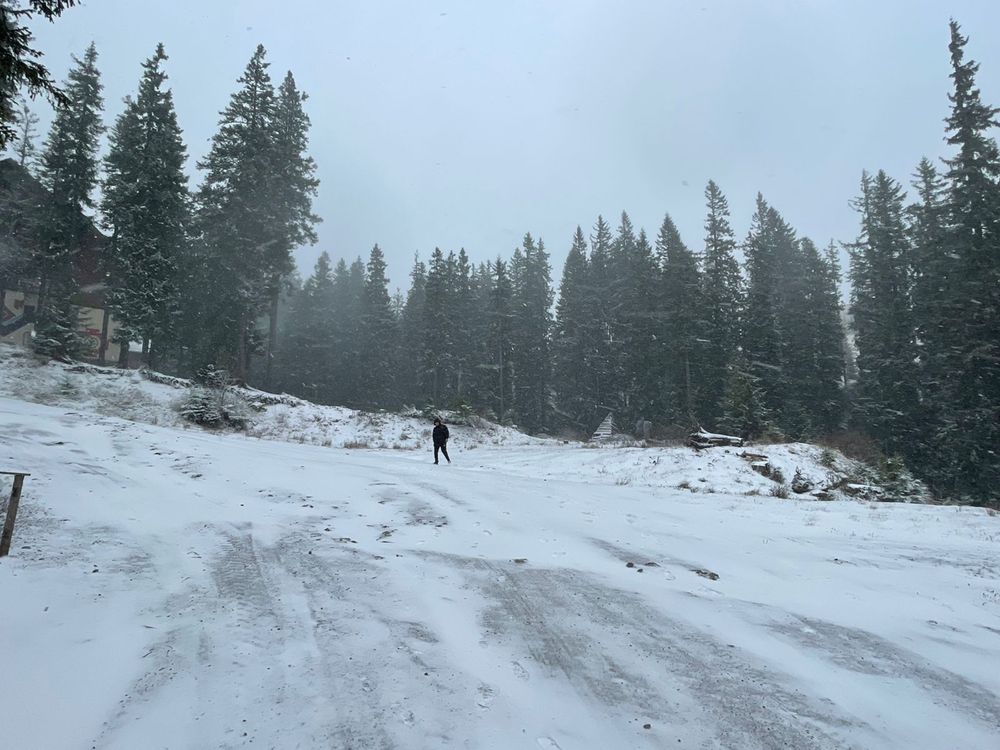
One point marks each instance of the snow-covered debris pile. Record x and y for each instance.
(154, 398)
(796, 470)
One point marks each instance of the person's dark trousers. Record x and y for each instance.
(443, 449)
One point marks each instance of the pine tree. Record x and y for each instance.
(881, 311)
(146, 207)
(69, 173)
(932, 275)
(350, 305)
(411, 335)
(813, 341)
(308, 358)
(721, 300)
(971, 315)
(532, 324)
(744, 412)
(680, 311)
(463, 312)
(378, 357)
(438, 356)
(500, 341)
(935, 306)
(574, 395)
(602, 364)
(23, 145)
(238, 222)
(636, 328)
(19, 61)
(294, 187)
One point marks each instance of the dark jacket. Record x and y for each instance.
(440, 434)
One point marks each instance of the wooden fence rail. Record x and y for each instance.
(15, 500)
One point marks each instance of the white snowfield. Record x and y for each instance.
(174, 588)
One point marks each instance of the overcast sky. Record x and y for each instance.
(466, 124)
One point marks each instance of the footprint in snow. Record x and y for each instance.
(548, 743)
(485, 696)
(519, 671)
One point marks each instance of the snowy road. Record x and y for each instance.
(174, 589)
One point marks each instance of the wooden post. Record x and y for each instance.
(15, 499)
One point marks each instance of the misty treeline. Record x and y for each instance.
(736, 335)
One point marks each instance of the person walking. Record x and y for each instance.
(440, 439)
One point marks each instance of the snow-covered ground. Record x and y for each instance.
(175, 588)
(129, 394)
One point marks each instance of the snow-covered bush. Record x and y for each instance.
(215, 407)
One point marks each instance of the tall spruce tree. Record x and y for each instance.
(378, 356)
(532, 299)
(438, 356)
(680, 316)
(463, 311)
(970, 430)
(500, 343)
(574, 394)
(308, 358)
(26, 131)
(238, 225)
(882, 315)
(602, 364)
(721, 300)
(411, 336)
(813, 341)
(69, 172)
(146, 206)
(294, 186)
(20, 66)
(637, 330)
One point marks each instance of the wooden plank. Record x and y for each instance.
(16, 473)
(8, 526)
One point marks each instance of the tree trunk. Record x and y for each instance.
(240, 372)
(123, 347)
(272, 334)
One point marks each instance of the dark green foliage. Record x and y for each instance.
(145, 205)
(23, 144)
(969, 426)
(679, 330)
(68, 171)
(531, 321)
(603, 366)
(210, 402)
(438, 363)
(56, 328)
(20, 66)
(744, 410)
(378, 322)
(500, 343)
(307, 357)
(411, 336)
(882, 315)
(721, 305)
(69, 164)
(575, 405)
(293, 187)
(242, 226)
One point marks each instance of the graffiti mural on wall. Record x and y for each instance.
(16, 314)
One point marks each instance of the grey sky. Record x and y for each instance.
(468, 123)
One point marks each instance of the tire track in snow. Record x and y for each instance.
(619, 653)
